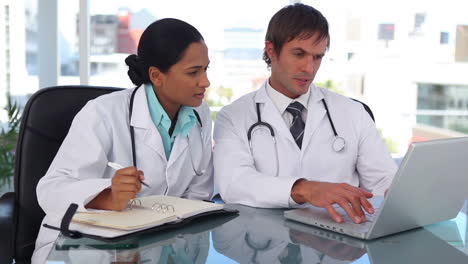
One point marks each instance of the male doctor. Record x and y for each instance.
(291, 142)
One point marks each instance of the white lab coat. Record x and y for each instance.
(249, 177)
(100, 133)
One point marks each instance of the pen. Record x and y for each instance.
(117, 166)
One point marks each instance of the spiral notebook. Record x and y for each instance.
(155, 239)
(142, 213)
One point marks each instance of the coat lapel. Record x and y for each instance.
(141, 120)
(180, 144)
(315, 113)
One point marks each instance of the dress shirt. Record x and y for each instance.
(281, 102)
(185, 120)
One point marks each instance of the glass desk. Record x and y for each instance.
(265, 236)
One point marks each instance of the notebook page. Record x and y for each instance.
(183, 207)
(98, 230)
(129, 219)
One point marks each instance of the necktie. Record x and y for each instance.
(297, 125)
(291, 254)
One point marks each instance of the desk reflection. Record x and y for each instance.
(189, 244)
(187, 248)
(264, 236)
(261, 236)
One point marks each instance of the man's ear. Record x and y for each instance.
(156, 76)
(270, 50)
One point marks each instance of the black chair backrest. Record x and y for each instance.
(45, 122)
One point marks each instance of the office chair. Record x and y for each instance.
(45, 122)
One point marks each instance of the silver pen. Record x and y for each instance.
(117, 166)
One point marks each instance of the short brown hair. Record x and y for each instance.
(295, 21)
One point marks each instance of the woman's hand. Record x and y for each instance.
(125, 186)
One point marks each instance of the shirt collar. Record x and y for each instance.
(158, 115)
(185, 121)
(185, 117)
(281, 101)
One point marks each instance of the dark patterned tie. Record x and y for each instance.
(291, 254)
(297, 125)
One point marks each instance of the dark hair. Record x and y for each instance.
(295, 21)
(162, 44)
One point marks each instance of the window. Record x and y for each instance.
(68, 42)
(419, 19)
(461, 50)
(444, 37)
(386, 32)
(443, 106)
(410, 68)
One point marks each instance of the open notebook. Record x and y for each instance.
(154, 239)
(148, 213)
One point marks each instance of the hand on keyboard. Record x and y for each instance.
(324, 194)
(369, 217)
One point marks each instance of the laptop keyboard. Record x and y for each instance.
(370, 217)
(346, 218)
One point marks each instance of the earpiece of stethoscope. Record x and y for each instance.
(338, 144)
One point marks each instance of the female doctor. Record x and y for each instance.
(160, 132)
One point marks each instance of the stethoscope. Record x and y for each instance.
(198, 172)
(256, 248)
(338, 143)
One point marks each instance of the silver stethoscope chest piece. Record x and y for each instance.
(338, 144)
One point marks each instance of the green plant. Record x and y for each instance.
(330, 85)
(8, 138)
(224, 92)
(391, 144)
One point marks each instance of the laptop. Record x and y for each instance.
(430, 186)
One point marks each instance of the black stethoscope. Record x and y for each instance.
(198, 172)
(338, 143)
(255, 248)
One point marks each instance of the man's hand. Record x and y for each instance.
(125, 186)
(325, 194)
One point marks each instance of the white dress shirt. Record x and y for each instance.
(282, 102)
